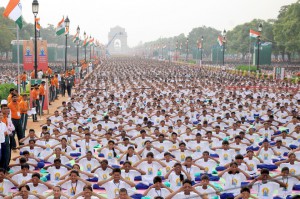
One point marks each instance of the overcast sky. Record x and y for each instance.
(147, 20)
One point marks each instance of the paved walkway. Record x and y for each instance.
(41, 120)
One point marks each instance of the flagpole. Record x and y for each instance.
(18, 60)
(249, 55)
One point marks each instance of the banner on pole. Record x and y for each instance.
(42, 55)
(28, 55)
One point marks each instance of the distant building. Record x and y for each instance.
(117, 41)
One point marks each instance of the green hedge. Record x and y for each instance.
(246, 68)
(4, 90)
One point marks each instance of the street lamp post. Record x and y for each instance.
(176, 50)
(90, 48)
(67, 25)
(169, 52)
(35, 11)
(78, 32)
(224, 42)
(187, 49)
(162, 51)
(258, 45)
(201, 50)
(84, 35)
(198, 47)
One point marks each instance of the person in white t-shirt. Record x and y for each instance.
(182, 152)
(176, 176)
(24, 193)
(291, 162)
(252, 161)
(58, 153)
(265, 152)
(111, 152)
(87, 144)
(36, 185)
(3, 133)
(56, 193)
(73, 184)
(23, 175)
(87, 193)
(6, 183)
(206, 188)
(129, 172)
(245, 194)
(130, 155)
(233, 177)
(56, 170)
(83, 174)
(186, 191)
(209, 163)
(157, 189)
(265, 185)
(150, 166)
(287, 178)
(88, 162)
(225, 152)
(113, 185)
(103, 171)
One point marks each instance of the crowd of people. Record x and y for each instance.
(143, 128)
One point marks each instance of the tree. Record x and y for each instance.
(239, 41)
(6, 36)
(210, 36)
(287, 29)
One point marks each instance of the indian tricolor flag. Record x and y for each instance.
(220, 40)
(38, 25)
(75, 38)
(92, 41)
(254, 34)
(13, 11)
(60, 29)
(86, 41)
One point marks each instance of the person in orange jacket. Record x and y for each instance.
(56, 85)
(24, 107)
(49, 72)
(23, 81)
(42, 95)
(16, 120)
(35, 101)
(52, 89)
(32, 74)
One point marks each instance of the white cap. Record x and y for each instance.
(3, 102)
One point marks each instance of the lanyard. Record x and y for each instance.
(287, 182)
(188, 171)
(87, 145)
(73, 189)
(127, 177)
(158, 194)
(117, 185)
